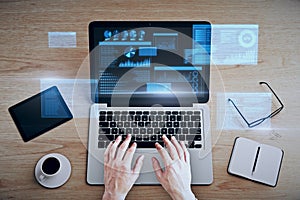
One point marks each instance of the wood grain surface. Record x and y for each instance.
(25, 60)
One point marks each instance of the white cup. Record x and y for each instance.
(49, 168)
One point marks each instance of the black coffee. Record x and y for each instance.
(51, 165)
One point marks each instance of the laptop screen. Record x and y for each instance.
(150, 63)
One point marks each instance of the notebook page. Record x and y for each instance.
(268, 164)
(243, 157)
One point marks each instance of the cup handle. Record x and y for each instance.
(42, 177)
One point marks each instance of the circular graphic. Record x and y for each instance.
(107, 34)
(247, 38)
(81, 98)
(129, 52)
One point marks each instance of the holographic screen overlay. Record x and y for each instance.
(126, 84)
(80, 107)
(234, 44)
(62, 39)
(140, 68)
(252, 105)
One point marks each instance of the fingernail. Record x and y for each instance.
(172, 138)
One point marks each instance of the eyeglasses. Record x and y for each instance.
(261, 120)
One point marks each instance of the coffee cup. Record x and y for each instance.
(53, 170)
(50, 167)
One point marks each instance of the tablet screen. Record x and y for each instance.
(40, 113)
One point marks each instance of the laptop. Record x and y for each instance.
(150, 78)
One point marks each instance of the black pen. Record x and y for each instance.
(255, 161)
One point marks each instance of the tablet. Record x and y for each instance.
(40, 113)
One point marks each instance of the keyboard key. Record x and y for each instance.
(142, 131)
(119, 124)
(163, 131)
(114, 131)
(190, 124)
(195, 118)
(195, 131)
(186, 118)
(137, 118)
(160, 112)
(102, 118)
(103, 124)
(139, 137)
(182, 124)
(101, 144)
(149, 131)
(141, 124)
(136, 131)
(131, 112)
(174, 112)
(113, 124)
(124, 112)
(148, 124)
(104, 131)
(109, 118)
(171, 131)
(156, 131)
(128, 131)
(176, 124)
(169, 124)
(144, 118)
(133, 124)
(159, 137)
(179, 118)
(146, 137)
(153, 137)
(153, 112)
(172, 117)
(158, 118)
(185, 130)
(145, 112)
(102, 112)
(145, 144)
(123, 117)
(182, 137)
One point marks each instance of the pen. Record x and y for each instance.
(255, 161)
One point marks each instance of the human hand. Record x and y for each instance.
(176, 178)
(118, 175)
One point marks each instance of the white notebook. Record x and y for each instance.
(255, 161)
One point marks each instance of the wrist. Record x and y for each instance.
(113, 196)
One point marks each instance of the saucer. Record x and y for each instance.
(58, 180)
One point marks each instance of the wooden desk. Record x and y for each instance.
(25, 59)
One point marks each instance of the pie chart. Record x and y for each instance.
(129, 52)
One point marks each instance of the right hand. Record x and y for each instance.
(176, 178)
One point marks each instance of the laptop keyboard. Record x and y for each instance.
(148, 127)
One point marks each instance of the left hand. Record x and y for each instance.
(118, 175)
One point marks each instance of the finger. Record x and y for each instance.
(129, 154)
(107, 152)
(157, 168)
(186, 152)
(138, 165)
(178, 147)
(171, 148)
(113, 148)
(164, 154)
(123, 147)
